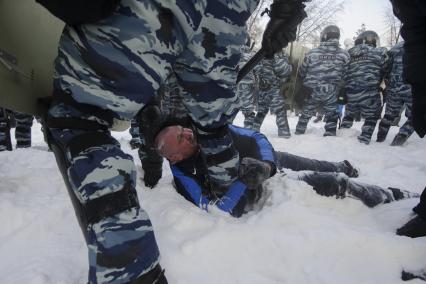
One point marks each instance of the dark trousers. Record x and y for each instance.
(296, 163)
(327, 179)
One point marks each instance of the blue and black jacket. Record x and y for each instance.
(191, 180)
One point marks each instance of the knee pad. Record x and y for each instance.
(94, 209)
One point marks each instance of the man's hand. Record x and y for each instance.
(254, 172)
(281, 29)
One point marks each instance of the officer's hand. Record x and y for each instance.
(254, 172)
(151, 177)
(281, 29)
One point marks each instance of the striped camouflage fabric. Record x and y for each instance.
(365, 73)
(322, 71)
(106, 72)
(273, 73)
(247, 89)
(398, 95)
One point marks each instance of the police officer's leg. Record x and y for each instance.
(297, 163)
(407, 128)
(100, 179)
(279, 108)
(393, 105)
(5, 140)
(263, 105)
(370, 109)
(309, 110)
(331, 110)
(351, 110)
(24, 122)
(245, 92)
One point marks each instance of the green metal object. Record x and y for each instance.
(29, 37)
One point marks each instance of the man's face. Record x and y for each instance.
(176, 143)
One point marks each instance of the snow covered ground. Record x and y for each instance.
(298, 237)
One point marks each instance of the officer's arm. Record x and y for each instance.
(283, 69)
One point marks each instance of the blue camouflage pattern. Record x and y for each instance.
(121, 247)
(117, 66)
(5, 140)
(24, 122)
(365, 73)
(172, 100)
(273, 73)
(323, 71)
(398, 94)
(247, 89)
(23, 126)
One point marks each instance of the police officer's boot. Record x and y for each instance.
(249, 120)
(284, 133)
(383, 129)
(258, 120)
(399, 140)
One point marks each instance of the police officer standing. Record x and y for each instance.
(398, 93)
(247, 87)
(322, 74)
(273, 73)
(365, 73)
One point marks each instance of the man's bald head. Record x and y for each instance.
(176, 143)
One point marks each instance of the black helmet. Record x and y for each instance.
(330, 32)
(368, 37)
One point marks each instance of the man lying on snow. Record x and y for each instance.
(259, 161)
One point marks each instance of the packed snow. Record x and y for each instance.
(297, 237)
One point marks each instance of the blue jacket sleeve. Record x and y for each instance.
(191, 188)
(253, 144)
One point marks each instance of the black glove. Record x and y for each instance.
(152, 175)
(152, 164)
(150, 120)
(254, 172)
(281, 29)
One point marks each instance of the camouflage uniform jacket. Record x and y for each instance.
(274, 72)
(324, 65)
(366, 68)
(394, 80)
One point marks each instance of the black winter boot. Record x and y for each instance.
(399, 140)
(155, 276)
(350, 170)
(406, 275)
(414, 228)
(284, 133)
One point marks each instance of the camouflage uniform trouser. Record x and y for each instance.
(246, 94)
(24, 122)
(273, 100)
(106, 72)
(395, 101)
(22, 130)
(5, 140)
(368, 103)
(323, 97)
